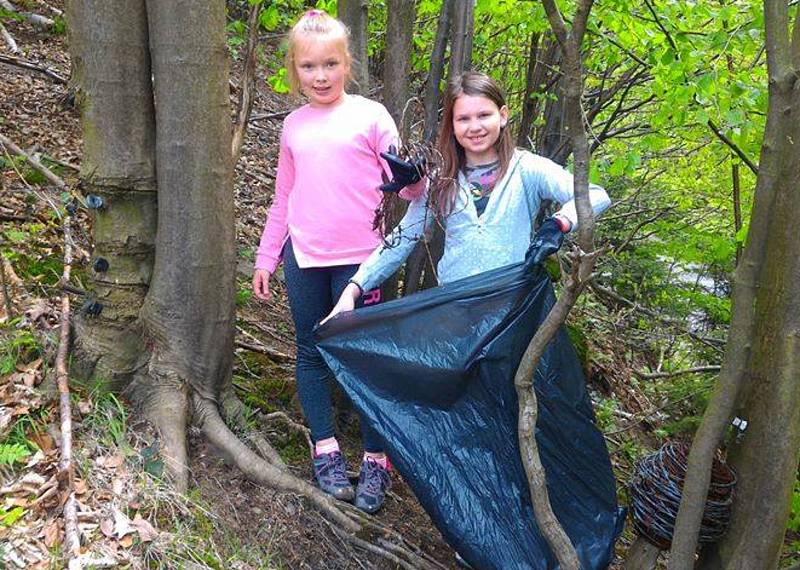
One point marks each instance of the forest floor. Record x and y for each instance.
(128, 518)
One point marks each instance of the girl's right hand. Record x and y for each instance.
(347, 302)
(261, 284)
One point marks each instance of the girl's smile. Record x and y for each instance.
(477, 122)
(322, 69)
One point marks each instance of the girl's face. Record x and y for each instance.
(322, 68)
(477, 122)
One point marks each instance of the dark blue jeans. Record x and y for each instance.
(313, 292)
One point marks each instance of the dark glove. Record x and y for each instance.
(404, 172)
(546, 242)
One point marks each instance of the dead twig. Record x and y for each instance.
(248, 83)
(269, 116)
(263, 349)
(29, 65)
(693, 370)
(6, 293)
(66, 469)
(9, 145)
(9, 39)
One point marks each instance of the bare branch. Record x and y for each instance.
(657, 20)
(248, 83)
(9, 39)
(35, 164)
(65, 466)
(556, 21)
(24, 64)
(734, 147)
(693, 370)
(35, 19)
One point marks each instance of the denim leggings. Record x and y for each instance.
(313, 292)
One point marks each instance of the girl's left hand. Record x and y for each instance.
(347, 302)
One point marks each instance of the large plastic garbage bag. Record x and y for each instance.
(434, 373)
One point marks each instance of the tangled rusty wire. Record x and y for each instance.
(390, 208)
(655, 492)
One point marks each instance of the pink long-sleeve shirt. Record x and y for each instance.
(326, 188)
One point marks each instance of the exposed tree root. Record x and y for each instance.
(299, 428)
(344, 519)
(375, 549)
(168, 408)
(211, 423)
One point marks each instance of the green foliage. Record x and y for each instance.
(242, 296)
(19, 347)
(11, 516)
(279, 81)
(108, 417)
(604, 412)
(11, 453)
(794, 513)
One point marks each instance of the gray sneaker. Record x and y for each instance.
(330, 472)
(373, 483)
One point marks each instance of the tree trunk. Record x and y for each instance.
(461, 41)
(397, 63)
(108, 42)
(354, 15)
(766, 459)
(737, 205)
(528, 101)
(436, 71)
(762, 352)
(419, 268)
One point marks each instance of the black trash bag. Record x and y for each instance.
(434, 373)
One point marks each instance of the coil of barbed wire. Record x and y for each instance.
(655, 493)
(429, 161)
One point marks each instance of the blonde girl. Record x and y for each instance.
(320, 227)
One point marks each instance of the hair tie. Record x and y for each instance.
(314, 13)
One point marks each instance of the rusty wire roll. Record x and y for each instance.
(655, 493)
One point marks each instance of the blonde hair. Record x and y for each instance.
(318, 25)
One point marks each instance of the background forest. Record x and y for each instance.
(675, 104)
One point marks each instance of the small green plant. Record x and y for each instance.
(242, 296)
(108, 417)
(604, 410)
(20, 347)
(11, 453)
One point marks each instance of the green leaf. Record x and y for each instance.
(278, 81)
(270, 18)
(10, 517)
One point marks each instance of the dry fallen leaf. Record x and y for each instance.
(36, 309)
(85, 407)
(114, 461)
(146, 531)
(80, 486)
(51, 533)
(122, 524)
(107, 527)
(126, 541)
(30, 366)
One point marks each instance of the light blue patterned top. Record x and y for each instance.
(500, 236)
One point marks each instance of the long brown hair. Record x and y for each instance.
(474, 84)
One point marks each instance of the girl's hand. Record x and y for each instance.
(261, 284)
(347, 302)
